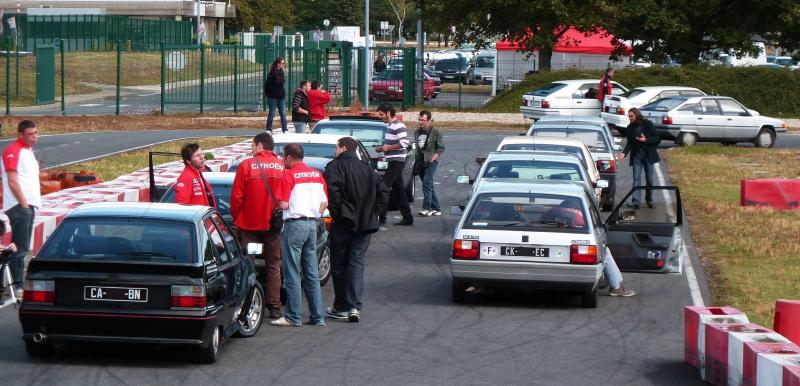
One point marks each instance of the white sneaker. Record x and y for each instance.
(434, 213)
(424, 213)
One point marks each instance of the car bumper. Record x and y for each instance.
(92, 326)
(386, 95)
(668, 131)
(537, 112)
(551, 276)
(616, 119)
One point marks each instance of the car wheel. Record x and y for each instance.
(589, 300)
(324, 265)
(687, 139)
(459, 295)
(250, 323)
(765, 138)
(209, 353)
(39, 350)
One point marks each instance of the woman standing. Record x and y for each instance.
(276, 95)
(642, 147)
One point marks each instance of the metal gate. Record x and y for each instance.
(45, 74)
(393, 73)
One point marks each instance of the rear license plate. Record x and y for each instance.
(448, 76)
(525, 251)
(115, 294)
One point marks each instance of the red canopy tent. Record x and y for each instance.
(574, 41)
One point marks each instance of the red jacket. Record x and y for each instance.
(604, 88)
(192, 188)
(251, 205)
(317, 100)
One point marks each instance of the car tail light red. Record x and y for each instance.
(606, 166)
(546, 105)
(466, 249)
(620, 111)
(39, 291)
(583, 254)
(188, 296)
(667, 120)
(605, 109)
(328, 222)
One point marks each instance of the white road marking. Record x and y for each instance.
(691, 277)
(91, 105)
(146, 95)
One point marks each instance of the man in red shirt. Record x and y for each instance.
(605, 87)
(317, 99)
(253, 200)
(192, 188)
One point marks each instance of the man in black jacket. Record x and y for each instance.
(301, 107)
(356, 195)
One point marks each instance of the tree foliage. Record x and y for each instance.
(263, 15)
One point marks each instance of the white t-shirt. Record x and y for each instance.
(19, 156)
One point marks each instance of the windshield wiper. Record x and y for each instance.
(515, 223)
(147, 254)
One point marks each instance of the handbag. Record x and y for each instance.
(276, 219)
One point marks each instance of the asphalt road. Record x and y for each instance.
(410, 331)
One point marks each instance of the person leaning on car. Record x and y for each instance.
(191, 187)
(356, 195)
(252, 205)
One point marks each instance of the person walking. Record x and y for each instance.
(303, 199)
(642, 150)
(317, 99)
(605, 87)
(395, 143)
(430, 146)
(21, 196)
(253, 208)
(380, 64)
(276, 95)
(191, 187)
(300, 107)
(356, 194)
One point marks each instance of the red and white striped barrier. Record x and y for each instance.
(695, 319)
(752, 351)
(724, 350)
(787, 319)
(778, 370)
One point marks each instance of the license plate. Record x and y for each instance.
(115, 294)
(448, 76)
(525, 251)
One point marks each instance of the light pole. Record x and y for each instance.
(367, 62)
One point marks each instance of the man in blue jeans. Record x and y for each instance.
(430, 146)
(303, 199)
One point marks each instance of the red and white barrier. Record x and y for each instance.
(752, 350)
(695, 319)
(775, 193)
(778, 370)
(724, 350)
(787, 319)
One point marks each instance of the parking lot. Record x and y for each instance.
(411, 332)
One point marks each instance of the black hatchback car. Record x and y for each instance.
(141, 273)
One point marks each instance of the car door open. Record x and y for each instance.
(648, 239)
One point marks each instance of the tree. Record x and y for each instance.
(532, 24)
(401, 9)
(263, 14)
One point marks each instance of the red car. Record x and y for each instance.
(388, 86)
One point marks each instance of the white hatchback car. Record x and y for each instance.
(566, 98)
(563, 145)
(616, 107)
(549, 235)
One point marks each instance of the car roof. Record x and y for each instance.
(569, 127)
(515, 185)
(562, 118)
(573, 81)
(152, 210)
(658, 88)
(527, 154)
(526, 139)
(352, 122)
(219, 178)
(301, 138)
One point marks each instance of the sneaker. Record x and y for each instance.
(424, 213)
(406, 221)
(283, 322)
(333, 313)
(18, 293)
(435, 212)
(622, 291)
(321, 323)
(354, 316)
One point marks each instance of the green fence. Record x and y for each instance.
(393, 74)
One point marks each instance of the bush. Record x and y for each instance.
(769, 91)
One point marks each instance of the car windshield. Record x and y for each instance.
(593, 139)
(321, 150)
(121, 239)
(533, 170)
(571, 150)
(527, 211)
(390, 75)
(664, 104)
(222, 194)
(484, 61)
(454, 64)
(784, 62)
(632, 93)
(549, 89)
(369, 135)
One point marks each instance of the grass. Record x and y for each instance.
(751, 255)
(114, 166)
(467, 88)
(770, 91)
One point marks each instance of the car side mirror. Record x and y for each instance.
(255, 248)
(463, 180)
(456, 210)
(602, 184)
(480, 160)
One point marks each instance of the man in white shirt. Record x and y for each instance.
(21, 195)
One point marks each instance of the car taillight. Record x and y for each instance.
(620, 111)
(583, 254)
(545, 104)
(607, 166)
(667, 120)
(466, 249)
(188, 296)
(39, 291)
(328, 222)
(605, 109)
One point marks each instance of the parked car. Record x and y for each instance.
(688, 120)
(566, 97)
(481, 67)
(561, 145)
(575, 120)
(526, 234)
(388, 86)
(437, 82)
(452, 69)
(599, 143)
(616, 107)
(141, 273)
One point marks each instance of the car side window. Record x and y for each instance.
(665, 94)
(583, 91)
(710, 107)
(223, 257)
(731, 108)
(691, 93)
(207, 250)
(363, 155)
(694, 108)
(616, 89)
(227, 235)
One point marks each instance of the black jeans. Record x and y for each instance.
(393, 178)
(21, 220)
(347, 266)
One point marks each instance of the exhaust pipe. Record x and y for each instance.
(39, 337)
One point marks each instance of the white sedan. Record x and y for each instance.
(566, 98)
(564, 145)
(711, 119)
(616, 107)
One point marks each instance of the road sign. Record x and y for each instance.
(176, 61)
(384, 25)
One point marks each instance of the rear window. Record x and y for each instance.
(571, 150)
(664, 104)
(633, 93)
(547, 90)
(533, 170)
(321, 150)
(484, 61)
(121, 239)
(593, 139)
(528, 211)
(368, 135)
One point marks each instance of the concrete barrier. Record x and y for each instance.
(695, 319)
(787, 319)
(724, 350)
(778, 370)
(751, 353)
(774, 193)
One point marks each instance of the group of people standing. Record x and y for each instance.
(308, 101)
